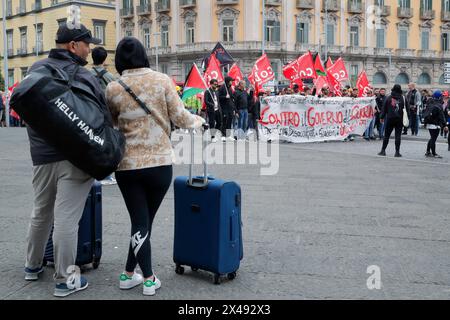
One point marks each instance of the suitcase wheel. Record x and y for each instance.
(217, 278)
(179, 269)
(194, 269)
(231, 276)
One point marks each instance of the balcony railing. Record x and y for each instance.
(359, 50)
(385, 11)
(161, 51)
(330, 5)
(427, 14)
(333, 49)
(225, 2)
(273, 2)
(145, 9)
(405, 12)
(10, 52)
(22, 51)
(187, 3)
(355, 6)
(427, 53)
(127, 12)
(382, 52)
(304, 47)
(445, 16)
(162, 6)
(305, 4)
(405, 52)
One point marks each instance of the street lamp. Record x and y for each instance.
(157, 49)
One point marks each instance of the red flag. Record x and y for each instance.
(306, 68)
(236, 74)
(338, 70)
(262, 71)
(213, 71)
(363, 84)
(320, 82)
(318, 66)
(10, 92)
(335, 86)
(329, 63)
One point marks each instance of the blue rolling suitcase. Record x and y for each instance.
(208, 233)
(89, 232)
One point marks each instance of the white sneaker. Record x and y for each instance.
(150, 287)
(127, 283)
(224, 139)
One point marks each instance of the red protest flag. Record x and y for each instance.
(262, 71)
(306, 68)
(338, 70)
(329, 63)
(290, 71)
(213, 71)
(318, 66)
(362, 84)
(335, 86)
(320, 83)
(236, 73)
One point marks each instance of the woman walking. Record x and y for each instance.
(145, 174)
(435, 121)
(392, 112)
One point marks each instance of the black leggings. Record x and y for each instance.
(227, 122)
(390, 126)
(143, 191)
(431, 147)
(215, 122)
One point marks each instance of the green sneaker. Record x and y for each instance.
(150, 287)
(127, 283)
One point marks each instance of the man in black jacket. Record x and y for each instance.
(392, 112)
(226, 100)
(242, 101)
(60, 188)
(380, 100)
(213, 109)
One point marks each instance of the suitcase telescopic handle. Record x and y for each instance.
(197, 183)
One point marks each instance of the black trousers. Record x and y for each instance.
(143, 191)
(434, 134)
(392, 124)
(413, 124)
(215, 122)
(227, 122)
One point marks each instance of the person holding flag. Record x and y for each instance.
(227, 105)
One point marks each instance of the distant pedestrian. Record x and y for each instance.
(434, 121)
(415, 102)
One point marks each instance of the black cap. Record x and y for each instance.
(66, 35)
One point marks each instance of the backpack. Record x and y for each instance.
(428, 115)
(100, 77)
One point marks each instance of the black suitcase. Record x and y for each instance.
(89, 232)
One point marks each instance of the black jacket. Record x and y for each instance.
(438, 118)
(380, 100)
(209, 100)
(241, 99)
(226, 104)
(41, 152)
(388, 112)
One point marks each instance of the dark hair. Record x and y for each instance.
(130, 54)
(99, 55)
(213, 81)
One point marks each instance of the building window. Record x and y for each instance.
(404, 3)
(426, 4)
(23, 72)
(354, 36)
(379, 78)
(99, 30)
(9, 8)
(54, 2)
(402, 78)
(23, 40)
(228, 30)
(275, 69)
(354, 70)
(273, 31)
(445, 41)
(425, 39)
(127, 4)
(403, 39)
(146, 37)
(379, 3)
(10, 42)
(446, 5)
(164, 36)
(381, 38)
(10, 77)
(424, 78)
(39, 38)
(190, 32)
(302, 32)
(164, 68)
(330, 34)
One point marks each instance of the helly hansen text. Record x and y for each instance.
(81, 124)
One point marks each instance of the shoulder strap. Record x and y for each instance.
(135, 97)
